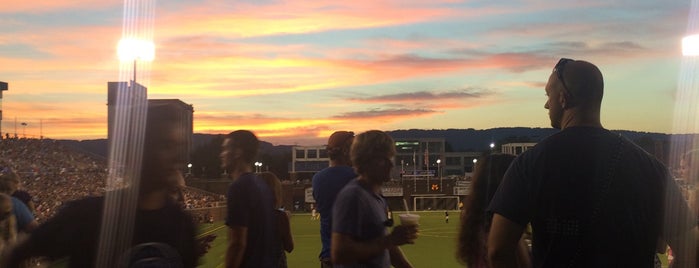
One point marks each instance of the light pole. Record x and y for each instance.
(24, 129)
(258, 167)
(439, 172)
(492, 146)
(189, 168)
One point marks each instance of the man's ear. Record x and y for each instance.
(565, 100)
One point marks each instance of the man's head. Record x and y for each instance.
(339, 145)
(372, 155)
(162, 148)
(574, 89)
(9, 181)
(239, 149)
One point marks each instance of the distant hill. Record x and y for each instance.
(457, 139)
(99, 147)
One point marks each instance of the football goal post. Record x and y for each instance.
(435, 203)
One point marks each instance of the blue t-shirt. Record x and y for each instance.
(250, 204)
(557, 184)
(361, 214)
(22, 213)
(326, 185)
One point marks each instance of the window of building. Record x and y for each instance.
(312, 154)
(300, 154)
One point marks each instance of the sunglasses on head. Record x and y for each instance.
(558, 69)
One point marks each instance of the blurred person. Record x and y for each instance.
(160, 224)
(360, 236)
(475, 222)
(328, 182)
(252, 231)
(9, 183)
(285, 240)
(25, 197)
(8, 228)
(593, 198)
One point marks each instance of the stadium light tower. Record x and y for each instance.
(3, 87)
(439, 172)
(130, 49)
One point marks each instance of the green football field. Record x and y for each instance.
(434, 248)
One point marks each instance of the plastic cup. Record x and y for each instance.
(409, 219)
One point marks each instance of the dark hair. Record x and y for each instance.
(488, 174)
(246, 141)
(274, 184)
(161, 121)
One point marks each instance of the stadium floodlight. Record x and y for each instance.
(690, 45)
(130, 49)
(475, 160)
(135, 49)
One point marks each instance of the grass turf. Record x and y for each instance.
(434, 248)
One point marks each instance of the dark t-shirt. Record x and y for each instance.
(326, 185)
(557, 184)
(361, 214)
(250, 204)
(74, 232)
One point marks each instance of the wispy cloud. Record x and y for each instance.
(424, 96)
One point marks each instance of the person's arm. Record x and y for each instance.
(684, 248)
(285, 228)
(398, 259)
(237, 242)
(679, 226)
(345, 249)
(503, 242)
(523, 258)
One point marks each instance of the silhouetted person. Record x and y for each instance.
(593, 198)
(163, 233)
(360, 236)
(284, 242)
(9, 184)
(252, 227)
(328, 182)
(475, 221)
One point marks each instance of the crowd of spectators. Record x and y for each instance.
(54, 174)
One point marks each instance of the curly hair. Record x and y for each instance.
(475, 223)
(367, 146)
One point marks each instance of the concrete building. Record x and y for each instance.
(516, 148)
(307, 160)
(137, 96)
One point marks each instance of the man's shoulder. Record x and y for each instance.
(332, 173)
(350, 190)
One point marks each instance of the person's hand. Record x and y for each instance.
(403, 234)
(204, 244)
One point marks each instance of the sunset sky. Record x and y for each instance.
(293, 71)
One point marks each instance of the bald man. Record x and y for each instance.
(593, 198)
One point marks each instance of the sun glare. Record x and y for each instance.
(690, 45)
(135, 49)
